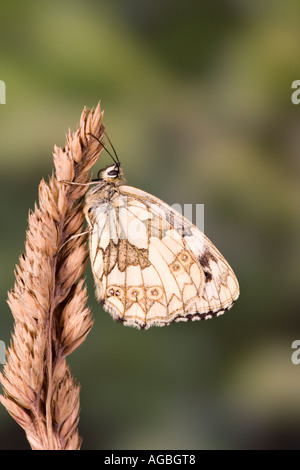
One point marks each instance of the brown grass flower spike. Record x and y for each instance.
(49, 298)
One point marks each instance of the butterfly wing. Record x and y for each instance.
(152, 266)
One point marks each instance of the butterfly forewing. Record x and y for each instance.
(151, 265)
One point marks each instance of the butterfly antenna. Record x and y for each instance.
(114, 150)
(116, 160)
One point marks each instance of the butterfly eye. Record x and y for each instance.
(113, 173)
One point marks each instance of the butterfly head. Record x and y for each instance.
(111, 174)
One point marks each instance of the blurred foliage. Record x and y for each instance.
(197, 99)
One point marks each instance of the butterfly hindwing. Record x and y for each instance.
(219, 286)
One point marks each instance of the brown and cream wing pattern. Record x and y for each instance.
(152, 266)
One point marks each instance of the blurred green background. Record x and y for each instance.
(197, 100)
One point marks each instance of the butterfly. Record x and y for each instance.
(151, 265)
